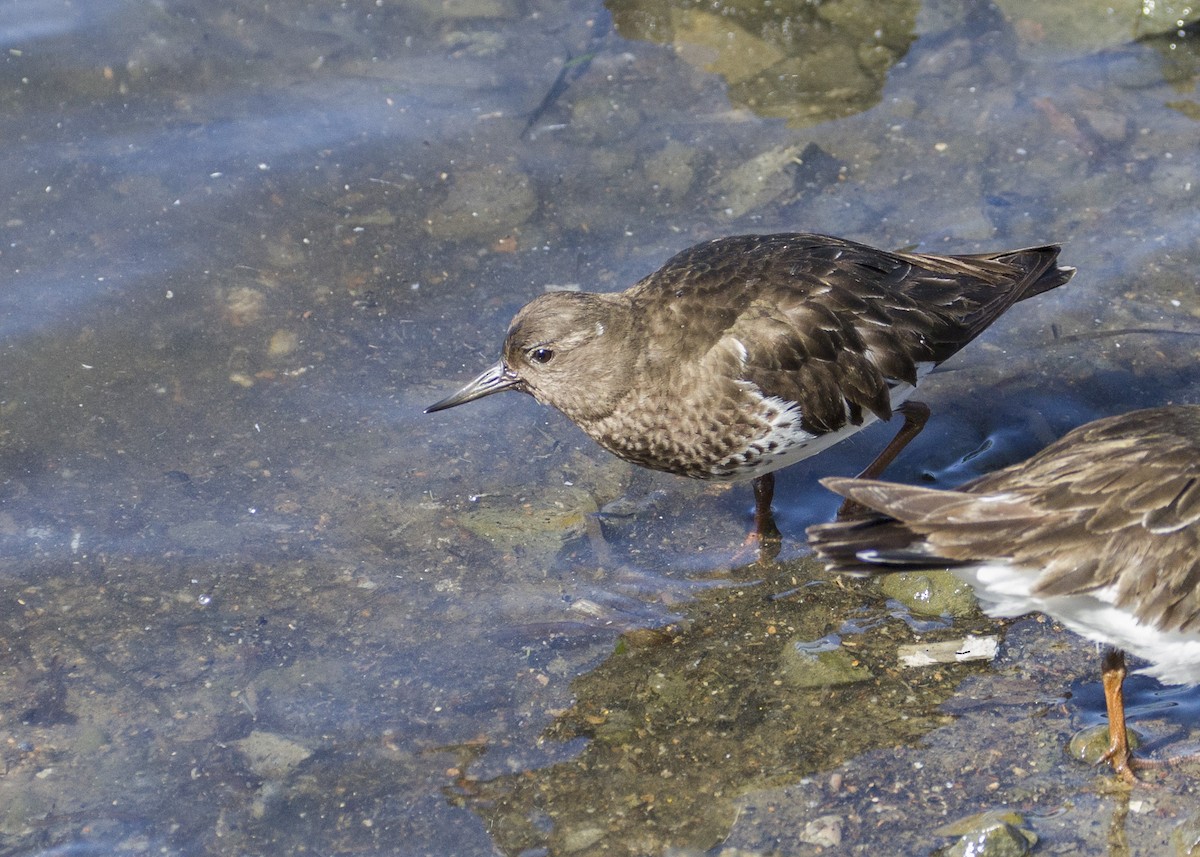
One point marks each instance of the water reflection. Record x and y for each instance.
(682, 723)
(805, 63)
(254, 600)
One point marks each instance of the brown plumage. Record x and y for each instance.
(1100, 530)
(746, 354)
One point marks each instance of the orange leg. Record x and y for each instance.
(916, 414)
(1112, 673)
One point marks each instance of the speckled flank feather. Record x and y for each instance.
(736, 356)
(1101, 530)
(782, 441)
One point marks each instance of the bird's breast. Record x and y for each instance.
(736, 434)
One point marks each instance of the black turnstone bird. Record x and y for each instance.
(1100, 530)
(746, 354)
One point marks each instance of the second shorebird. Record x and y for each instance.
(743, 355)
(1100, 530)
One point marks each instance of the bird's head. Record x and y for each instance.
(573, 351)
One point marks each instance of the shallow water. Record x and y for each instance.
(256, 602)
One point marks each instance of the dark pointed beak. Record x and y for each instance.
(494, 380)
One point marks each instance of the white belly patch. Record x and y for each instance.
(786, 442)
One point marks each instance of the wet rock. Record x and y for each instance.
(604, 477)
(672, 169)
(824, 83)
(481, 204)
(606, 160)
(671, 689)
(1109, 125)
(997, 840)
(1091, 743)
(713, 43)
(25, 808)
(806, 63)
(931, 593)
(536, 529)
(824, 832)
(821, 663)
(580, 838)
(619, 727)
(947, 58)
(243, 305)
(989, 834)
(1185, 838)
(282, 343)
(271, 755)
(755, 183)
(43, 692)
(862, 19)
(91, 740)
(854, 209)
(378, 217)
(602, 119)
(1190, 109)
(1093, 25)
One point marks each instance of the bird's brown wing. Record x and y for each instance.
(828, 323)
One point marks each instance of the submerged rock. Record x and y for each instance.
(930, 593)
(997, 833)
(482, 203)
(270, 755)
(803, 62)
(1091, 743)
(822, 663)
(1185, 838)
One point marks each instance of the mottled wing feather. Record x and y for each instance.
(914, 527)
(831, 324)
(808, 356)
(892, 546)
(1128, 485)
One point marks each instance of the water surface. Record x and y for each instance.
(254, 601)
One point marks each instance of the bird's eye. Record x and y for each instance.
(541, 355)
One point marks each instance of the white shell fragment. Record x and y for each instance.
(969, 648)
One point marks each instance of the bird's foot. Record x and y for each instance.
(1122, 760)
(759, 546)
